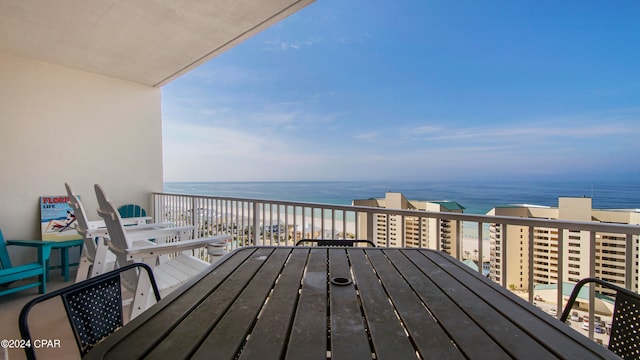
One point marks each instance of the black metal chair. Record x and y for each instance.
(93, 306)
(625, 328)
(345, 243)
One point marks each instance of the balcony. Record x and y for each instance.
(282, 223)
(130, 106)
(296, 220)
(214, 215)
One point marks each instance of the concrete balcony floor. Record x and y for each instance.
(47, 321)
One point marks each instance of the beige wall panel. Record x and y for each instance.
(61, 125)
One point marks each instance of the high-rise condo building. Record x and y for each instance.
(407, 231)
(509, 245)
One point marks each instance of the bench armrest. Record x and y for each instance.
(43, 247)
(154, 233)
(144, 248)
(29, 243)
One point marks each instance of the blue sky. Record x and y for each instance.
(416, 90)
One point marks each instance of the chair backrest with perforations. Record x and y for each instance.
(625, 334)
(625, 328)
(342, 243)
(94, 311)
(93, 307)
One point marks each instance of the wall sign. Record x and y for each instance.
(57, 220)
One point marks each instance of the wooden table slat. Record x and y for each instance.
(388, 336)
(484, 314)
(139, 341)
(271, 331)
(534, 325)
(348, 335)
(309, 330)
(187, 336)
(225, 340)
(462, 329)
(431, 340)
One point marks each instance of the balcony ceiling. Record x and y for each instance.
(145, 41)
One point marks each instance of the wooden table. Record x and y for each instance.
(344, 303)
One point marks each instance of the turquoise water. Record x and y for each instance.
(476, 197)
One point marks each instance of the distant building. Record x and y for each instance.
(393, 232)
(611, 249)
(473, 264)
(604, 304)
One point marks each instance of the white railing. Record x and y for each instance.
(273, 222)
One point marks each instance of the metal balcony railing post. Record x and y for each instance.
(458, 240)
(479, 258)
(194, 209)
(369, 226)
(503, 256)
(438, 235)
(592, 287)
(531, 282)
(560, 267)
(631, 267)
(256, 223)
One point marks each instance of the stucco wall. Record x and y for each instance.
(61, 125)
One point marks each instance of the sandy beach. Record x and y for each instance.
(306, 227)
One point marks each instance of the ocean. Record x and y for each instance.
(477, 197)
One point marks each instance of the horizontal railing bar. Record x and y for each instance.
(508, 220)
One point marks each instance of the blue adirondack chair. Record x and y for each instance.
(131, 210)
(38, 270)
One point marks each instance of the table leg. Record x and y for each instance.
(64, 257)
(64, 262)
(46, 270)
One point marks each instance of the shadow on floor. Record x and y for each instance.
(47, 322)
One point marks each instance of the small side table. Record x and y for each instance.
(64, 253)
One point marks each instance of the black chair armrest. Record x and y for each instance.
(581, 283)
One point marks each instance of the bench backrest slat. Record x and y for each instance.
(5, 263)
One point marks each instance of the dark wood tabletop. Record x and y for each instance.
(344, 303)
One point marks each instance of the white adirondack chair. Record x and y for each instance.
(96, 258)
(135, 247)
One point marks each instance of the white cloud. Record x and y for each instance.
(528, 132)
(219, 153)
(426, 129)
(202, 152)
(274, 117)
(369, 136)
(286, 140)
(225, 74)
(280, 45)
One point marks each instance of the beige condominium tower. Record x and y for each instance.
(610, 249)
(392, 231)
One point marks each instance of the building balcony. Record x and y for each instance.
(350, 221)
(295, 220)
